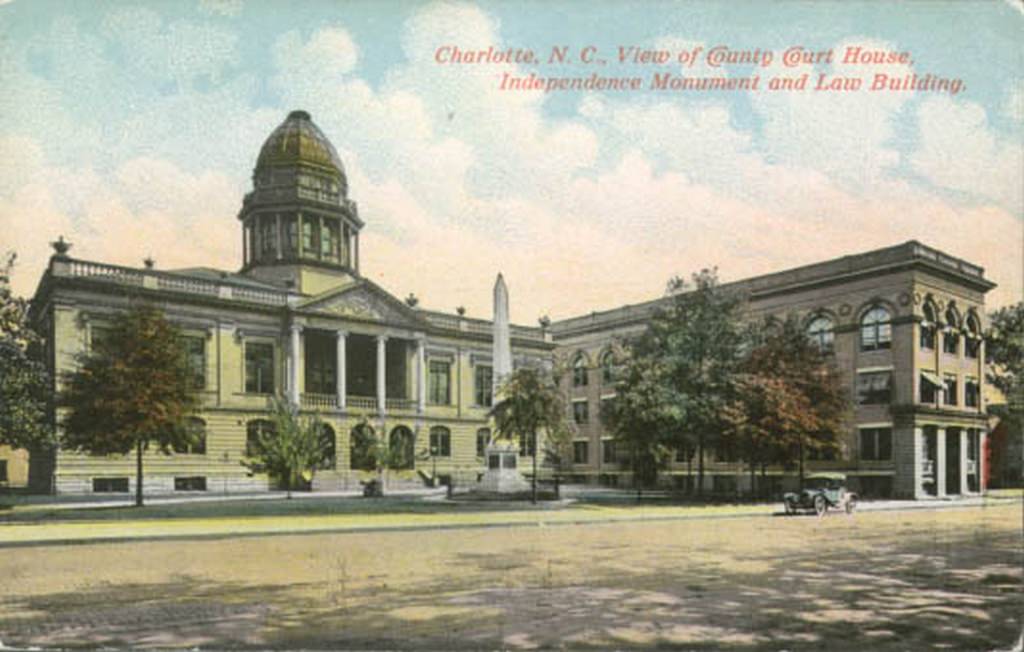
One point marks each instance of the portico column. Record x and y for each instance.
(421, 376)
(919, 460)
(940, 462)
(340, 372)
(982, 460)
(382, 360)
(963, 462)
(293, 370)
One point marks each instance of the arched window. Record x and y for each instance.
(402, 442)
(440, 442)
(928, 326)
(361, 443)
(579, 371)
(483, 437)
(820, 332)
(195, 429)
(972, 338)
(329, 446)
(607, 367)
(951, 333)
(253, 431)
(875, 329)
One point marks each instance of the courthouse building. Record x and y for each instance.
(299, 319)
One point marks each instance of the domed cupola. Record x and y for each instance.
(298, 211)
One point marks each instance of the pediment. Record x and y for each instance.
(366, 302)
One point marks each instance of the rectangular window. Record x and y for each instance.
(195, 354)
(876, 444)
(110, 485)
(874, 388)
(580, 452)
(291, 232)
(321, 363)
(441, 443)
(3, 470)
(950, 342)
(608, 451)
(326, 241)
(972, 392)
(951, 390)
(928, 385)
(927, 339)
(193, 483)
(972, 345)
(527, 446)
(259, 368)
(482, 437)
(483, 381)
(309, 235)
(439, 382)
(580, 411)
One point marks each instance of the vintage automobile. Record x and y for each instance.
(821, 492)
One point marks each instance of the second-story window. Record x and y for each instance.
(439, 383)
(259, 368)
(874, 388)
(972, 392)
(483, 380)
(952, 397)
(580, 412)
(195, 355)
(875, 330)
(929, 385)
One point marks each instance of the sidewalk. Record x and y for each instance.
(568, 512)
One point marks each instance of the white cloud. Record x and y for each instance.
(958, 150)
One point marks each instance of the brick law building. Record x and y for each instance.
(299, 319)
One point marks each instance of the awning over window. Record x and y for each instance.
(933, 378)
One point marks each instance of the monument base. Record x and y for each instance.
(502, 476)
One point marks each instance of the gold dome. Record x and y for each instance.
(298, 140)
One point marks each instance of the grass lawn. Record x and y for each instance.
(937, 579)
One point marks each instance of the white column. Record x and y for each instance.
(421, 375)
(982, 460)
(963, 462)
(382, 360)
(293, 368)
(919, 459)
(940, 462)
(340, 372)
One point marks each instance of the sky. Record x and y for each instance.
(131, 128)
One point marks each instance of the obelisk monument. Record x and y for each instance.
(501, 352)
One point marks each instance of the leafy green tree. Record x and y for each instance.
(1004, 352)
(530, 403)
(292, 450)
(642, 416)
(790, 398)
(132, 390)
(373, 452)
(25, 388)
(697, 341)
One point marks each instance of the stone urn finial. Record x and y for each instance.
(461, 310)
(544, 322)
(61, 247)
(149, 262)
(412, 300)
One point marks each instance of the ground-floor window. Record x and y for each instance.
(875, 487)
(608, 452)
(440, 442)
(110, 485)
(191, 483)
(3, 470)
(876, 444)
(580, 452)
(483, 437)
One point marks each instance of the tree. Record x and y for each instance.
(292, 450)
(530, 403)
(375, 453)
(25, 390)
(790, 397)
(642, 416)
(1004, 352)
(693, 345)
(133, 389)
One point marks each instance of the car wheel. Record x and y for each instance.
(820, 505)
(851, 504)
